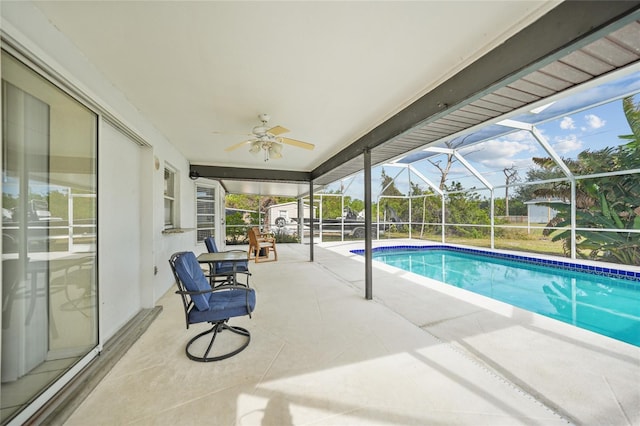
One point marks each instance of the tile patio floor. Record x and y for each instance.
(419, 353)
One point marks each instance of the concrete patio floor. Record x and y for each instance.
(420, 353)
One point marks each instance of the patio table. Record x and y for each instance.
(234, 257)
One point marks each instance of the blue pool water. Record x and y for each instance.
(603, 300)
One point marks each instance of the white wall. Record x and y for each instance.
(130, 187)
(119, 242)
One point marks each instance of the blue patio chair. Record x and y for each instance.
(203, 303)
(224, 270)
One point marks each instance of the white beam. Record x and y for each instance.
(439, 149)
(426, 180)
(472, 170)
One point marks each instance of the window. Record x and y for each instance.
(170, 200)
(205, 211)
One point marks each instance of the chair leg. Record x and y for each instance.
(265, 258)
(256, 254)
(259, 257)
(218, 327)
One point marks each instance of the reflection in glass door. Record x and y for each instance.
(49, 281)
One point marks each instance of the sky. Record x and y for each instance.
(568, 135)
(569, 125)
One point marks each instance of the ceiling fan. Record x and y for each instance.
(269, 140)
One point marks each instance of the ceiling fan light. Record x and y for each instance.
(276, 148)
(255, 147)
(275, 155)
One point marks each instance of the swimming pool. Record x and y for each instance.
(600, 299)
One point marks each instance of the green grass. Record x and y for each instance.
(543, 246)
(512, 239)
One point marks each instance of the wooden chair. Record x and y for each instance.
(260, 246)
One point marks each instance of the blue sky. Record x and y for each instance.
(568, 135)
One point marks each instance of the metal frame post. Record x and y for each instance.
(368, 250)
(311, 221)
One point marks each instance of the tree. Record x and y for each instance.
(332, 207)
(236, 228)
(388, 186)
(632, 113)
(540, 172)
(446, 168)
(393, 209)
(243, 202)
(511, 175)
(611, 202)
(464, 207)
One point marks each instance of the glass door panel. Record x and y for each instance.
(49, 281)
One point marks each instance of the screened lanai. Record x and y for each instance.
(561, 178)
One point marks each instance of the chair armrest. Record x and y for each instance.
(194, 293)
(215, 289)
(266, 235)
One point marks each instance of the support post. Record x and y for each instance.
(368, 253)
(300, 219)
(311, 221)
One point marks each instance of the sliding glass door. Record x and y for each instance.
(49, 224)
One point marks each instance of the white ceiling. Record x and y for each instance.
(328, 71)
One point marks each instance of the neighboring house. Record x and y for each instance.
(284, 213)
(539, 212)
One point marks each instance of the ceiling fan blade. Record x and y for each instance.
(236, 146)
(278, 130)
(299, 144)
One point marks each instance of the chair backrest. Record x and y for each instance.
(189, 277)
(210, 242)
(253, 240)
(228, 302)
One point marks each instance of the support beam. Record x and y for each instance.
(237, 173)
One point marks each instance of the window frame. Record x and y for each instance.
(170, 197)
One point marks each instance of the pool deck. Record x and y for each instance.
(586, 377)
(420, 352)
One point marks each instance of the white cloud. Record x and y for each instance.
(520, 136)
(594, 122)
(501, 153)
(505, 163)
(567, 123)
(566, 144)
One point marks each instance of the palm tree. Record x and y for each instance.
(611, 202)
